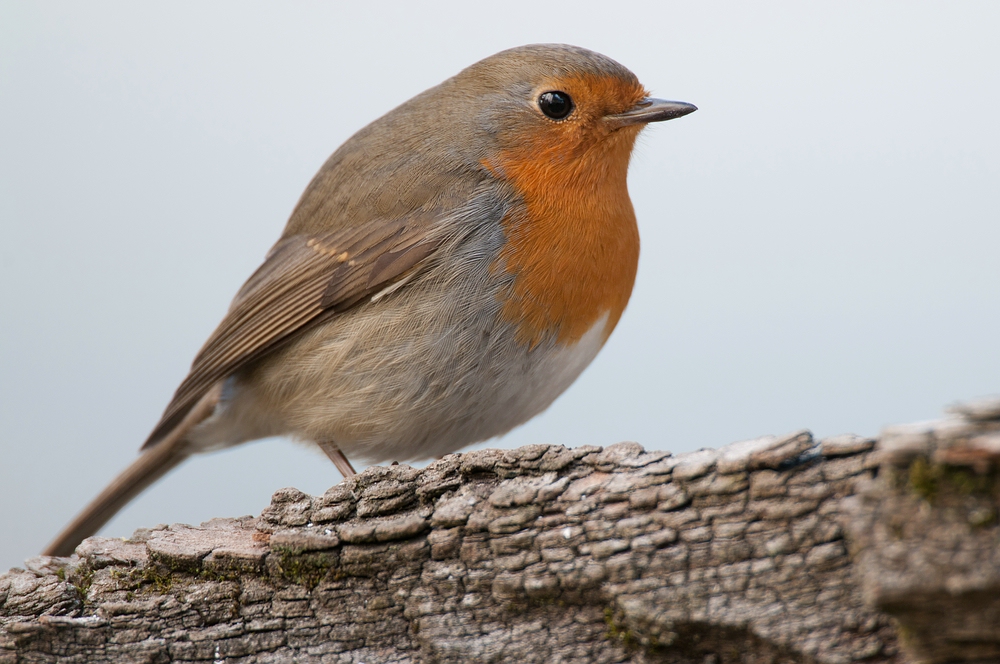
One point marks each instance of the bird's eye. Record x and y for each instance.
(555, 104)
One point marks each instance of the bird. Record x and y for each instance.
(450, 270)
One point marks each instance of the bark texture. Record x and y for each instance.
(778, 550)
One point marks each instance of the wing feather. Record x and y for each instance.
(302, 278)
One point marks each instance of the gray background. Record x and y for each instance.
(820, 240)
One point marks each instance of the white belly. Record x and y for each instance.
(400, 380)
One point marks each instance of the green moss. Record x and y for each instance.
(305, 569)
(907, 637)
(932, 481)
(141, 579)
(161, 575)
(174, 565)
(967, 482)
(225, 575)
(924, 479)
(546, 602)
(618, 631)
(82, 580)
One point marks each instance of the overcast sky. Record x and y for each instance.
(821, 240)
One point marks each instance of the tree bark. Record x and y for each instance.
(778, 549)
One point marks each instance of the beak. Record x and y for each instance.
(650, 110)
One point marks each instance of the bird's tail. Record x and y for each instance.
(152, 464)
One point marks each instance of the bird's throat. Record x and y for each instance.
(573, 245)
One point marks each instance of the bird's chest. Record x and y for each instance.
(573, 259)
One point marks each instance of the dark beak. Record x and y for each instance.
(650, 110)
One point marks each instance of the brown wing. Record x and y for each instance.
(302, 277)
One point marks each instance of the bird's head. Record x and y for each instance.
(560, 112)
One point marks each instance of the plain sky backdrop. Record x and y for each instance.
(821, 240)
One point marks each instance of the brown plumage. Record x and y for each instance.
(450, 270)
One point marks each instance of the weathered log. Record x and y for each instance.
(778, 549)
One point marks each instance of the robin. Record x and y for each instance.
(450, 271)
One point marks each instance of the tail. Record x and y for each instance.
(152, 464)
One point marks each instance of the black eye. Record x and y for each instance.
(555, 104)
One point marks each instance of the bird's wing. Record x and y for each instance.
(303, 277)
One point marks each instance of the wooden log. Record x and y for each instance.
(778, 549)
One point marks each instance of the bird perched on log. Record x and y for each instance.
(450, 271)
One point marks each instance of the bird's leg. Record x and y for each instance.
(338, 459)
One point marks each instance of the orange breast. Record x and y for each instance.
(574, 247)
